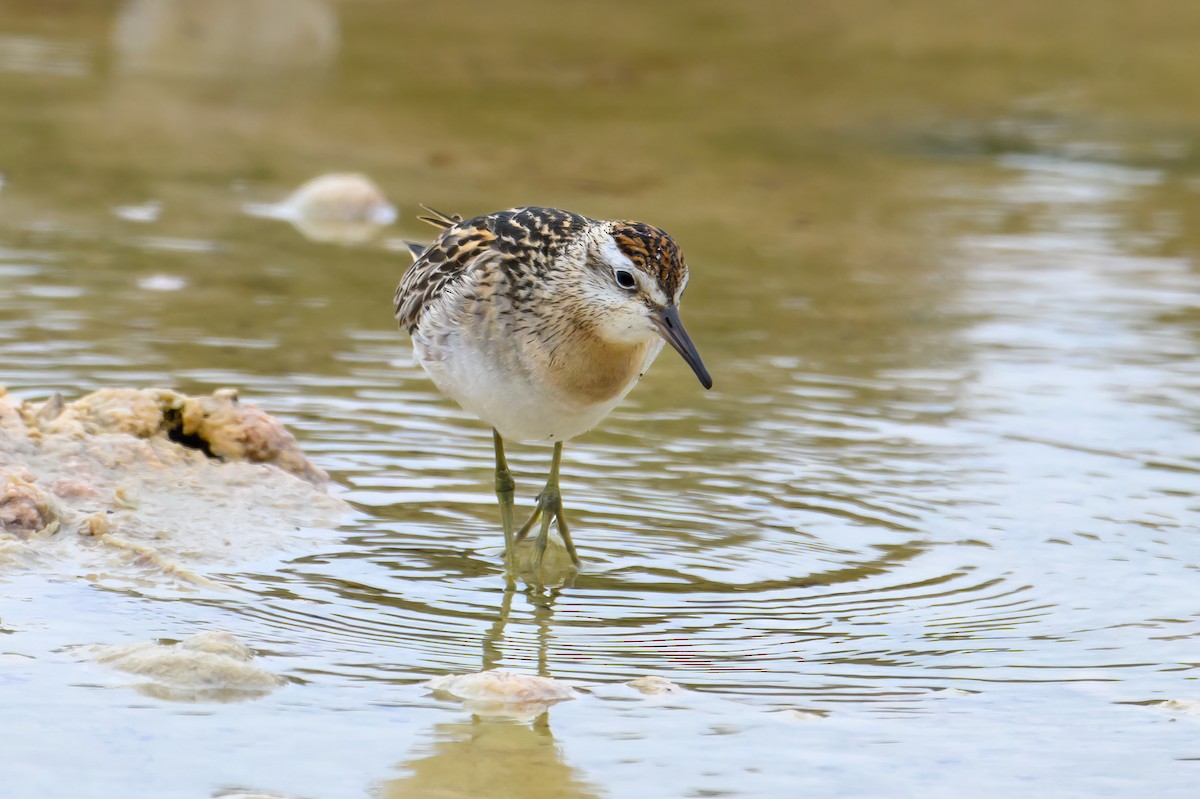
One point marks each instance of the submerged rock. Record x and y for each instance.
(159, 480)
(1188, 707)
(652, 685)
(206, 667)
(799, 714)
(346, 208)
(503, 693)
(225, 38)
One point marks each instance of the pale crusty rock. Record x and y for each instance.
(11, 423)
(497, 685)
(346, 208)
(218, 642)
(220, 425)
(1188, 707)
(233, 431)
(503, 693)
(208, 666)
(130, 411)
(147, 484)
(799, 714)
(652, 685)
(233, 38)
(26, 511)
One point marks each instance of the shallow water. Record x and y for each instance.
(934, 532)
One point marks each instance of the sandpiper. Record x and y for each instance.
(539, 321)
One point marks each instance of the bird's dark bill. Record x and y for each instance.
(670, 327)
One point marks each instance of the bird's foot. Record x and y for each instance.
(549, 510)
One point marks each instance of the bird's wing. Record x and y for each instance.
(513, 236)
(416, 249)
(443, 264)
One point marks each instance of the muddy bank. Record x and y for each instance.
(151, 482)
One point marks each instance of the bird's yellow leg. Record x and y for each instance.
(505, 489)
(537, 514)
(565, 532)
(550, 509)
(543, 539)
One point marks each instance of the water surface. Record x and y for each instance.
(933, 533)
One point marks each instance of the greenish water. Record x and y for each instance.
(943, 501)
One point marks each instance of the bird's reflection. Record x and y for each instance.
(491, 758)
(513, 755)
(542, 599)
(556, 572)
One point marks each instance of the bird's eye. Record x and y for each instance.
(625, 279)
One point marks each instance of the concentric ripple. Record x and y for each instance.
(876, 533)
(933, 532)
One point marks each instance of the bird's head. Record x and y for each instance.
(637, 278)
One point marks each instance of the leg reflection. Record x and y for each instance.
(499, 751)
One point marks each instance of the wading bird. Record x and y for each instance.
(539, 321)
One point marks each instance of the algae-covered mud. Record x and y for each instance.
(934, 532)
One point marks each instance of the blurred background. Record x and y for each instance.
(933, 532)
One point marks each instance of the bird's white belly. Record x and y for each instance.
(518, 405)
